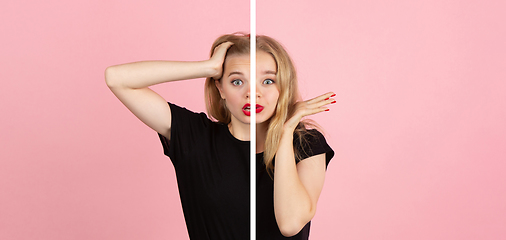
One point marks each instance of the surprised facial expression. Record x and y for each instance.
(235, 87)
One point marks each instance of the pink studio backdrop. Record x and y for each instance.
(75, 164)
(418, 129)
(419, 126)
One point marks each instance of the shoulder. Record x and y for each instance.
(311, 142)
(184, 117)
(184, 111)
(188, 129)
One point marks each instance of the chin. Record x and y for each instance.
(262, 120)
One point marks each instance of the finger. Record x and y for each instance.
(321, 97)
(323, 102)
(313, 111)
(223, 46)
(221, 50)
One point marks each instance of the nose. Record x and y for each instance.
(257, 90)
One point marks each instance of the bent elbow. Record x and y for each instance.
(110, 77)
(290, 229)
(291, 226)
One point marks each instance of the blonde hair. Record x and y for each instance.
(286, 79)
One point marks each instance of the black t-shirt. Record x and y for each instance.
(212, 171)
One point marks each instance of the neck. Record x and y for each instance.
(242, 132)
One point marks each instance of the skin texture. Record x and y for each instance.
(234, 88)
(130, 82)
(297, 187)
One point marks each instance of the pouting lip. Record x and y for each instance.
(247, 111)
(258, 107)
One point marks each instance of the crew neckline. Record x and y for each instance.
(236, 139)
(232, 136)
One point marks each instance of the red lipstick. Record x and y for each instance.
(247, 109)
(259, 108)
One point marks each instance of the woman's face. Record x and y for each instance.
(235, 87)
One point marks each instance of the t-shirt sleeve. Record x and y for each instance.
(187, 128)
(314, 143)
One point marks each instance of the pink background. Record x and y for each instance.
(418, 127)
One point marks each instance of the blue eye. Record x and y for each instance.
(268, 81)
(236, 82)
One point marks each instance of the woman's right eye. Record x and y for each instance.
(236, 82)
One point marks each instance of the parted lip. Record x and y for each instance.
(247, 105)
(247, 108)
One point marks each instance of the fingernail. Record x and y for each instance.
(327, 98)
(333, 101)
(333, 95)
(327, 109)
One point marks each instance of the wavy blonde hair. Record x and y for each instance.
(286, 80)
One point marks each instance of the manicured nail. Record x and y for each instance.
(333, 101)
(327, 109)
(333, 95)
(327, 99)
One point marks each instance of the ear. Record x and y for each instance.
(219, 87)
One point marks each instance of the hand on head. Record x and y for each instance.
(218, 59)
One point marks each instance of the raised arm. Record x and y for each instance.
(297, 187)
(130, 82)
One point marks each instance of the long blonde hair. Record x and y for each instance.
(286, 79)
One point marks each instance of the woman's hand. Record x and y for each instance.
(218, 59)
(309, 107)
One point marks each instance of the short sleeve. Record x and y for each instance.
(187, 128)
(312, 144)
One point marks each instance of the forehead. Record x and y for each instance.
(265, 62)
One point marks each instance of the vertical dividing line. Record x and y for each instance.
(253, 151)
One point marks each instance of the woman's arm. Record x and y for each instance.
(130, 82)
(297, 187)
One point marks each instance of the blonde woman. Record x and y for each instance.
(210, 154)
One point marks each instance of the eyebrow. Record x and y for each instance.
(270, 72)
(238, 73)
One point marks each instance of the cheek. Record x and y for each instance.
(273, 100)
(274, 96)
(233, 98)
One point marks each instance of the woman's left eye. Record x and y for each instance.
(268, 81)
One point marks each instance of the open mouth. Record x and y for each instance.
(247, 109)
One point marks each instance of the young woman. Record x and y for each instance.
(211, 156)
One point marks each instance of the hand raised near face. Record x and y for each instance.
(218, 59)
(309, 107)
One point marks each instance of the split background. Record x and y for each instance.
(418, 128)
